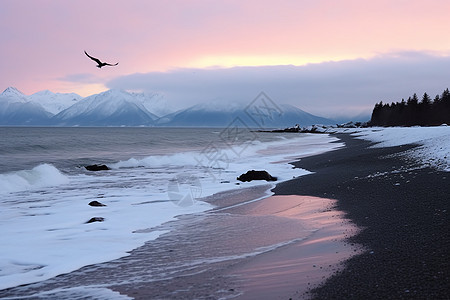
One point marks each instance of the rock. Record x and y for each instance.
(296, 128)
(97, 167)
(256, 175)
(96, 203)
(95, 219)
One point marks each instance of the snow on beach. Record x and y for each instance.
(434, 142)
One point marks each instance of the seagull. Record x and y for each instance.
(99, 63)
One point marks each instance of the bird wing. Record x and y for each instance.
(93, 58)
(106, 64)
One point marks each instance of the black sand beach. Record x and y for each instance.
(401, 208)
(403, 211)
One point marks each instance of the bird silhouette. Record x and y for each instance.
(99, 63)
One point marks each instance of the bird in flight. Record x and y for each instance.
(99, 63)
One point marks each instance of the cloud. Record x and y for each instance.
(332, 89)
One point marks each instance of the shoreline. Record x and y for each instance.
(204, 256)
(266, 235)
(195, 257)
(402, 208)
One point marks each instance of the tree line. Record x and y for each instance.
(412, 112)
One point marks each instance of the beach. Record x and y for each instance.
(402, 209)
(374, 221)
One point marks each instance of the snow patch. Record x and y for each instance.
(434, 149)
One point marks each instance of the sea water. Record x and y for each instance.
(156, 174)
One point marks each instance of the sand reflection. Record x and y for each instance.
(289, 271)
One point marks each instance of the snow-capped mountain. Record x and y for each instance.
(54, 102)
(221, 113)
(51, 102)
(110, 108)
(121, 108)
(13, 95)
(15, 109)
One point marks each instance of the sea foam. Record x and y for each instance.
(43, 175)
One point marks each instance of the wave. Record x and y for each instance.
(210, 153)
(187, 158)
(43, 175)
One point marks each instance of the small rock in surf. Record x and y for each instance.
(256, 175)
(97, 167)
(95, 219)
(96, 203)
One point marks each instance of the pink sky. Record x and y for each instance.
(42, 41)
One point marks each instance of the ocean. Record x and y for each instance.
(155, 176)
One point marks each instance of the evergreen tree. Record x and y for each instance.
(412, 112)
(426, 100)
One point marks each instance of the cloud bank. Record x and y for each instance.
(331, 89)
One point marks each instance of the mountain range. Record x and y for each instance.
(122, 108)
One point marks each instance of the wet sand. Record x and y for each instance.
(290, 271)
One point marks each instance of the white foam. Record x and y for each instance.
(44, 175)
(187, 158)
(43, 241)
(302, 146)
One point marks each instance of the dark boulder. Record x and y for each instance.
(256, 175)
(96, 203)
(95, 219)
(97, 167)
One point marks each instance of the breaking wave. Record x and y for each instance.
(43, 175)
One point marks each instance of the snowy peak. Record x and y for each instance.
(105, 102)
(54, 102)
(51, 102)
(15, 109)
(12, 91)
(13, 94)
(113, 107)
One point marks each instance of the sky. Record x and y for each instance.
(330, 58)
